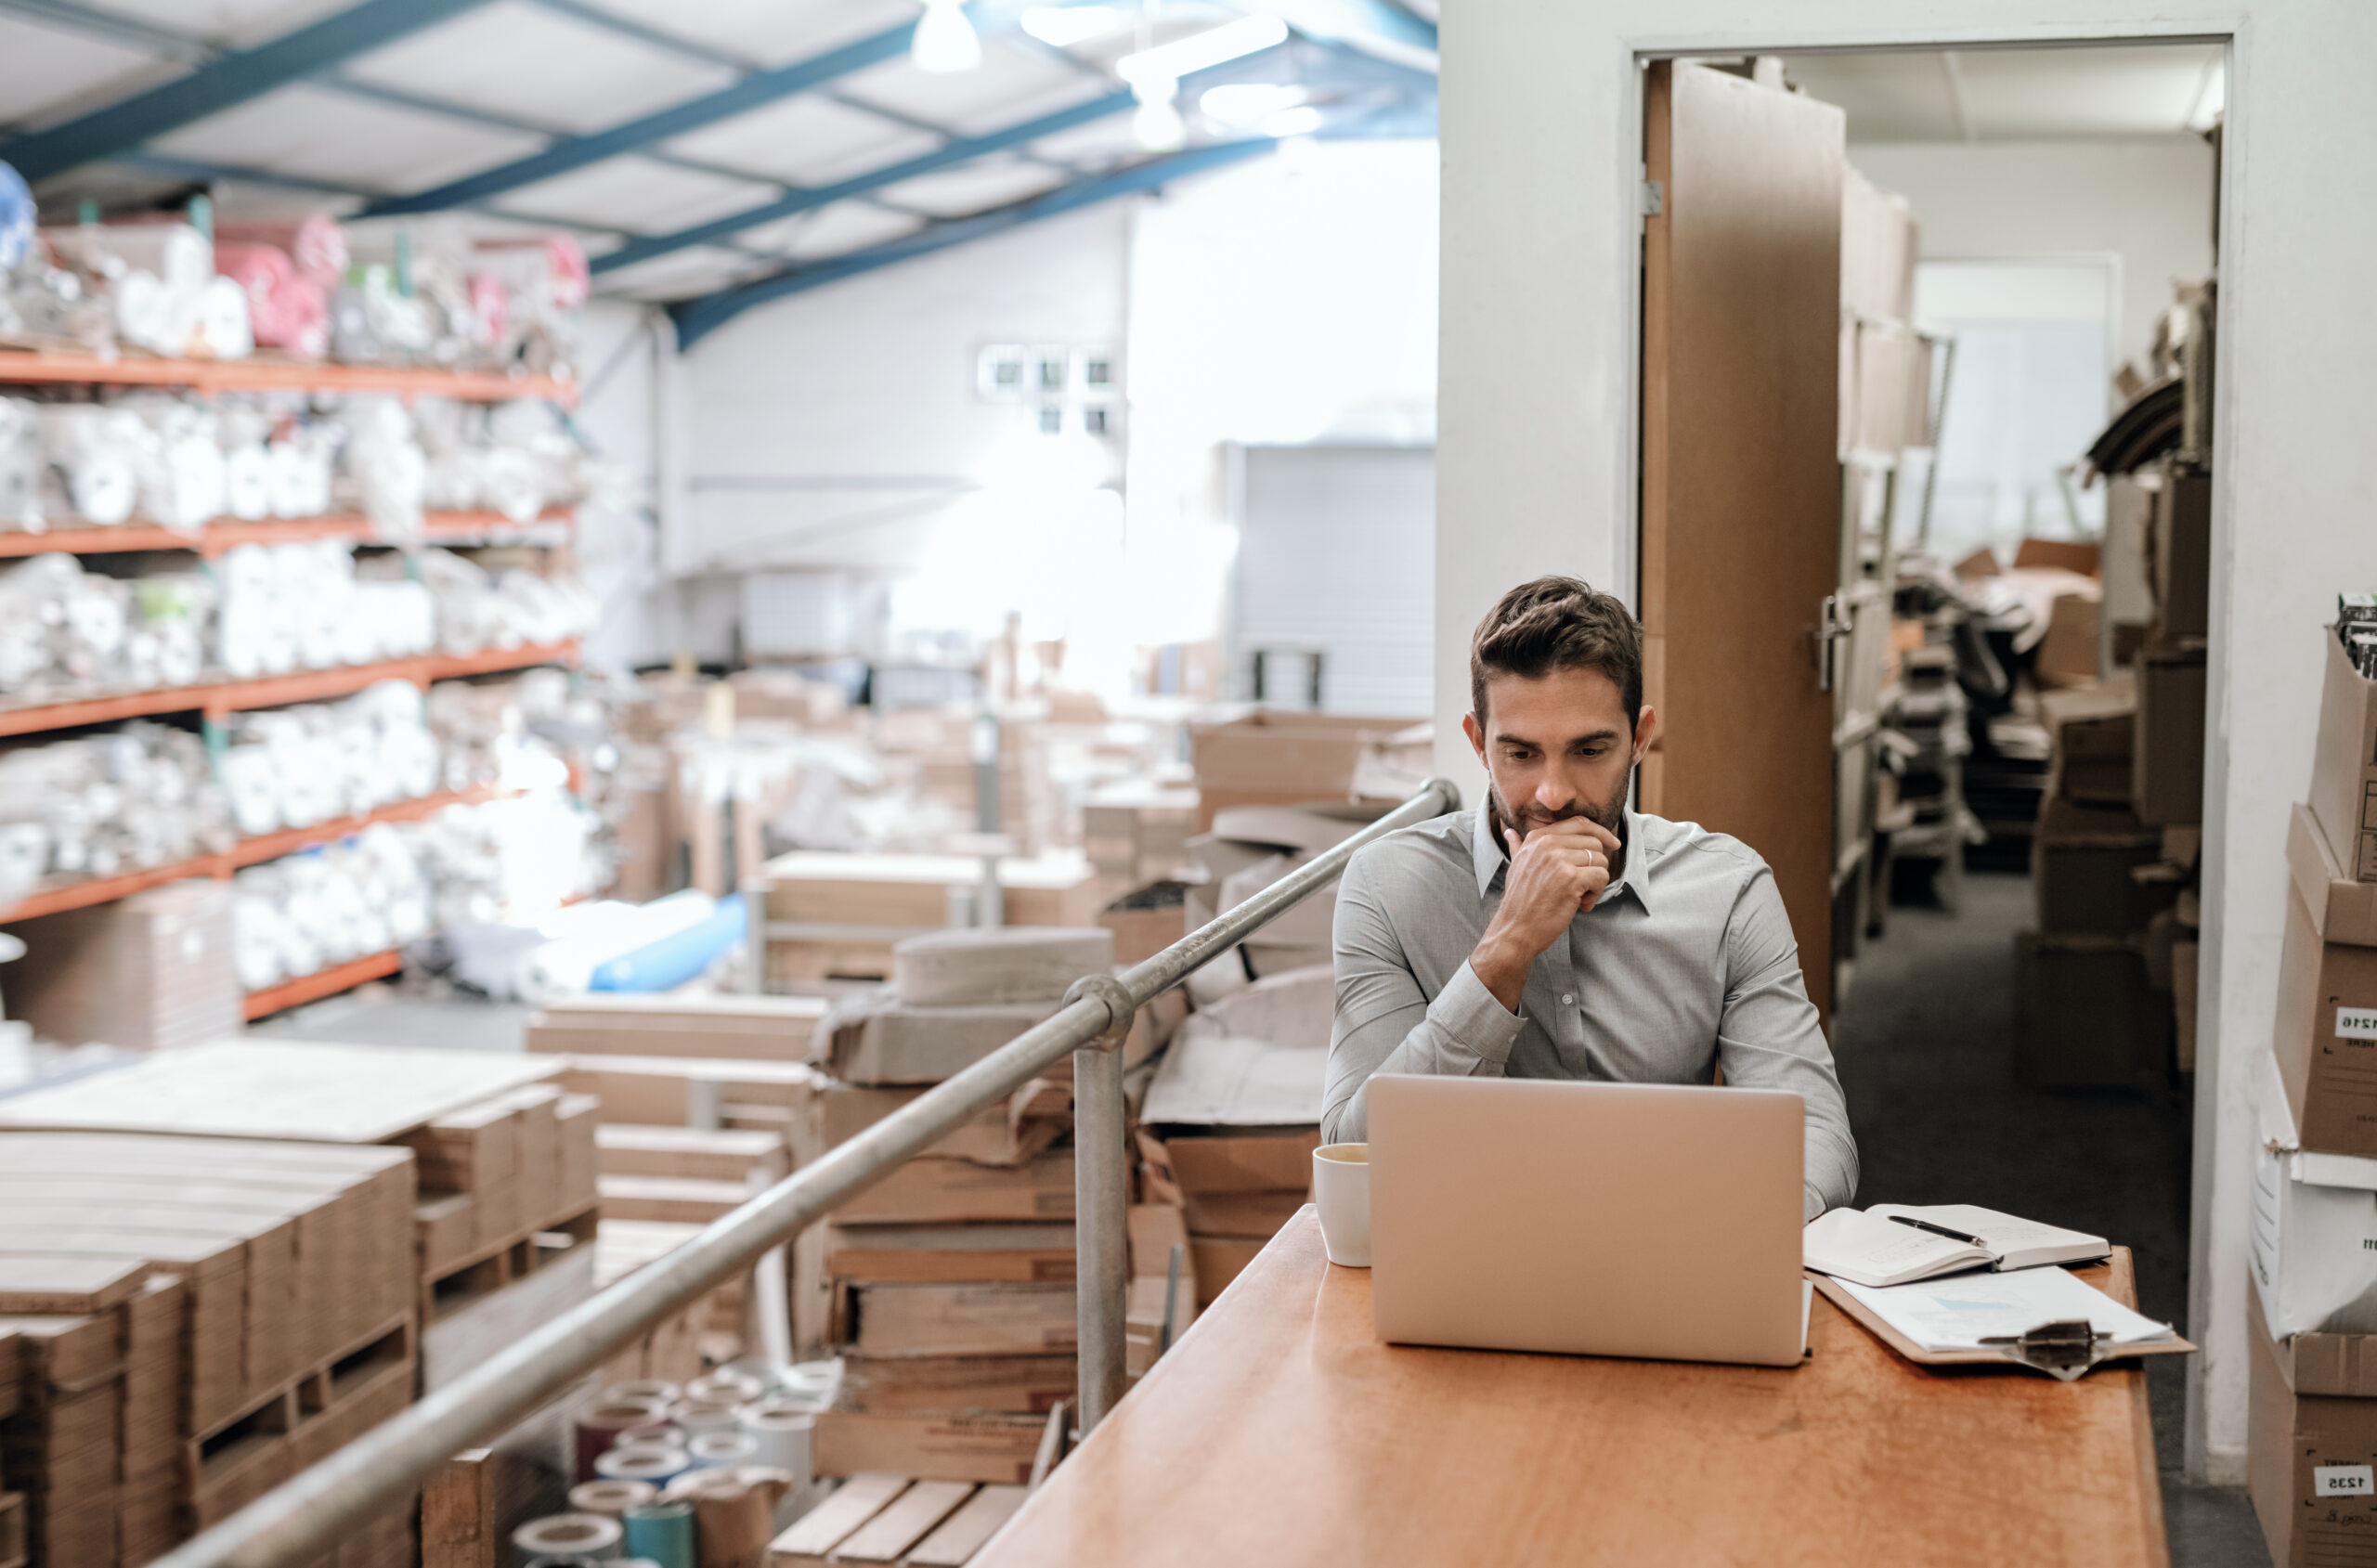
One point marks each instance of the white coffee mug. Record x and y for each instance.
(1341, 1187)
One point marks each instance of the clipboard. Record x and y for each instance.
(2064, 1350)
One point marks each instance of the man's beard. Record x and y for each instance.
(1612, 815)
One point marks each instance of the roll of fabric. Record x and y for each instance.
(781, 1434)
(655, 1434)
(644, 1391)
(286, 309)
(657, 1465)
(569, 1535)
(708, 1450)
(662, 1531)
(697, 1416)
(16, 219)
(610, 1497)
(600, 1427)
(678, 958)
(724, 1386)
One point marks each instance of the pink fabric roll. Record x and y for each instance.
(315, 244)
(572, 279)
(287, 309)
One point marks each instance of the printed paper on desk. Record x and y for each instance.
(1961, 1312)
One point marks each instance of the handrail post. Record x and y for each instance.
(1101, 1203)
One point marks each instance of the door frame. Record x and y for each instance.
(1627, 544)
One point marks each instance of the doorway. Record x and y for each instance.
(1926, 603)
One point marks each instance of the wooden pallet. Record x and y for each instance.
(482, 1272)
(299, 1423)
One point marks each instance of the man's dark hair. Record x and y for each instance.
(1557, 623)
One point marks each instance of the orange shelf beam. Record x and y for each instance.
(278, 375)
(264, 846)
(219, 697)
(441, 527)
(327, 982)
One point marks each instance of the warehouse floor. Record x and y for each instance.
(1923, 1044)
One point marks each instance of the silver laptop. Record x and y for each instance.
(1598, 1219)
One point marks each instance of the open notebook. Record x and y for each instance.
(1873, 1247)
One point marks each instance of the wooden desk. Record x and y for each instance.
(1279, 1431)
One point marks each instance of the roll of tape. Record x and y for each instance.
(723, 1387)
(663, 1532)
(643, 1391)
(702, 1415)
(652, 1434)
(710, 1450)
(656, 1467)
(569, 1535)
(610, 1497)
(780, 1435)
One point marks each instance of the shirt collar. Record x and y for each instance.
(1490, 861)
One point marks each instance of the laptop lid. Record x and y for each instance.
(1604, 1219)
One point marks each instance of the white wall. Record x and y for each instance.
(1541, 130)
(618, 552)
(2147, 201)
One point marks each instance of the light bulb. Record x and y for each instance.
(1156, 125)
(945, 42)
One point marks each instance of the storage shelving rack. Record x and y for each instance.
(214, 699)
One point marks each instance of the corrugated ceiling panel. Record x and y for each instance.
(520, 59)
(47, 75)
(991, 183)
(832, 231)
(329, 136)
(1003, 89)
(807, 140)
(1099, 142)
(635, 193)
(768, 32)
(235, 23)
(695, 270)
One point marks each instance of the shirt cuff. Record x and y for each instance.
(1470, 1016)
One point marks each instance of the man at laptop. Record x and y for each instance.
(1556, 932)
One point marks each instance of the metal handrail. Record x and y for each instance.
(308, 1511)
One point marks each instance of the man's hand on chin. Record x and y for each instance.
(1558, 870)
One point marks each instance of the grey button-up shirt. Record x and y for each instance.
(1686, 961)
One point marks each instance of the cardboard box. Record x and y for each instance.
(891, 1043)
(928, 1191)
(931, 1448)
(2068, 653)
(1219, 1260)
(2344, 769)
(953, 1254)
(149, 971)
(1147, 921)
(2166, 769)
(960, 1320)
(1279, 758)
(2311, 1449)
(2084, 1016)
(2343, 908)
(2182, 559)
(1252, 1163)
(910, 1385)
(762, 1027)
(2081, 861)
(2327, 1032)
(2311, 1229)
(2094, 732)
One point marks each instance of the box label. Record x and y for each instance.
(2356, 1023)
(2344, 1481)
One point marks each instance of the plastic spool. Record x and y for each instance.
(652, 1434)
(599, 1428)
(723, 1387)
(657, 1465)
(781, 1432)
(611, 1498)
(657, 1392)
(663, 1532)
(569, 1535)
(708, 1450)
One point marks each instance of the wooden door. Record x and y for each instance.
(1741, 485)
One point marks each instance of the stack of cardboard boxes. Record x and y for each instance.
(2312, 1431)
(952, 1281)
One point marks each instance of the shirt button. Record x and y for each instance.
(1569, 999)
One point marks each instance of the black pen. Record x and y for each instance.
(1938, 1230)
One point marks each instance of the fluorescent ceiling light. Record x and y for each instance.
(1245, 103)
(1293, 123)
(1156, 123)
(1063, 26)
(1201, 51)
(945, 42)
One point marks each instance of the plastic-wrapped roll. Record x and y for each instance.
(223, 330)
(102, 452)
(781, 1434)
(701, 1416)
(610, 1497)
(17, 218)
(674, 959)
(570, 1534)
(286, 309)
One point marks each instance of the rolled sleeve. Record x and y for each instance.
(1386, 1023)
(1770, 1038)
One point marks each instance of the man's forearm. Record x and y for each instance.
(1503, 968)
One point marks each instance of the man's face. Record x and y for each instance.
(1558, 747)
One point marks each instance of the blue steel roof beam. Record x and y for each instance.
(696, 319)
(755, 91)
(233, 79)
(961, 151)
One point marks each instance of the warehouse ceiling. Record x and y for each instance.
(712, 155)
(2086, 92)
